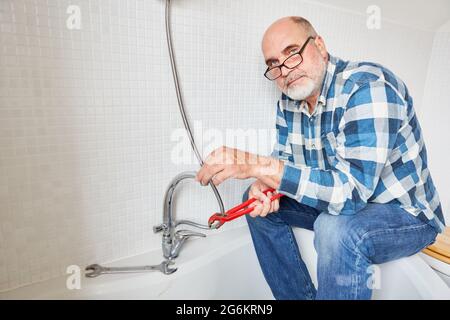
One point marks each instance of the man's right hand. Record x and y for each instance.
(263, 205)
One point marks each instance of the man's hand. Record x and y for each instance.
(263, 205)
(224, 163)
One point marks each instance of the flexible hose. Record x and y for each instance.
(181, 103)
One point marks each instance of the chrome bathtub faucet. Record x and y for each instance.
(172, 240)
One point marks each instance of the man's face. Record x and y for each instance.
(283, 39)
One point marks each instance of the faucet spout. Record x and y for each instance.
(173, 241)
(168, 198)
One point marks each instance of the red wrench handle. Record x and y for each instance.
(239, 210)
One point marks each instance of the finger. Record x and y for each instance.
(210, 171)
(221, 177)
(276, 205)
(257, 210)
(201, 173)
(272, 203)
(266, 207)
(269, 195)
(254, 203)
(252, 195)
(260, 195)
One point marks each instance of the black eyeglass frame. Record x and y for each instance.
(283, 64)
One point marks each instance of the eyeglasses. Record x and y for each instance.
(291, 62)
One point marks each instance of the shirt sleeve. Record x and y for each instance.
(366, 135)
(281, 149)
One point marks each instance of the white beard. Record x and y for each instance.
(309, 85)
(301, 92)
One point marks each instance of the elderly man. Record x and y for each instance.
(350, 160)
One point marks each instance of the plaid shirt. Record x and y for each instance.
(363, 143)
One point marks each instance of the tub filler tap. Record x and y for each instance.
(172, 239)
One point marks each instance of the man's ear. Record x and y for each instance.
(320, 44)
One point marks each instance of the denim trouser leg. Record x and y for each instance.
(277, 250)
(347, 246)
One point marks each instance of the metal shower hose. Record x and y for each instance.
(181, 104)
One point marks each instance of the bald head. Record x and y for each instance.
(283, 39)
(293, 23)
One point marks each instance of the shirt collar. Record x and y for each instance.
(328, 79)
(326, 84)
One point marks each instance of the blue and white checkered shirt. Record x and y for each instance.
(363, 143)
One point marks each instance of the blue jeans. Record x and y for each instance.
(346, 247)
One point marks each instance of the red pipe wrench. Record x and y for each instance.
(217, 220)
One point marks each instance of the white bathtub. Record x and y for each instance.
(224, 266)
(221, 266)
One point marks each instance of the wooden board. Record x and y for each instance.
(441, 248)
(436, 255)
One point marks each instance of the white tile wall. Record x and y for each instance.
(435, 116)
(87, 116)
